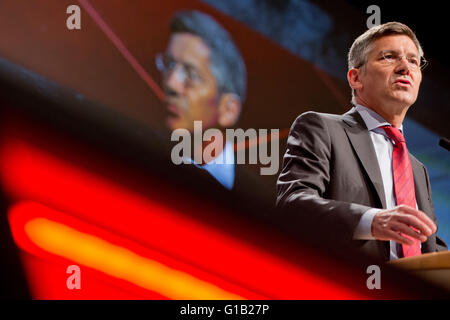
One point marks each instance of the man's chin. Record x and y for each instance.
(171, 123)
(174, 123)
(404, 98)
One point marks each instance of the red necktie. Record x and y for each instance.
(403, 182)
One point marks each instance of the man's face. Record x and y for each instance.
(190, 87)
(390, 87)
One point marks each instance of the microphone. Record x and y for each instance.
(444, 143)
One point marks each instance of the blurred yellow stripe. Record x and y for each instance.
(121, 263)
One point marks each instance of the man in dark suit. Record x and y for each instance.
(204, 79)
(349, 178)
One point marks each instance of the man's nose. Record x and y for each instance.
(403, 66)
(175, 79)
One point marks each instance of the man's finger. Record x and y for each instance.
(397, 237)
(422, 216)
(410, 220)
(400, 227)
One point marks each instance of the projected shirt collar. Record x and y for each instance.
(222, 167)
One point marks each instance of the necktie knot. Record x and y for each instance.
(395, 134)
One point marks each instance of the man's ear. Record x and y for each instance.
(354, 78)
(229, 109)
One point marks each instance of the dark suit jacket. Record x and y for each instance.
(330, 177)
(247, 183)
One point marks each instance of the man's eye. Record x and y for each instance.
(388, 56)
(193, 76)
(169, 62)
(414, 61)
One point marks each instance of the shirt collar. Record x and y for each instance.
(372, 119)
(222, 167)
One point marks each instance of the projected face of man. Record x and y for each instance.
(190, 87)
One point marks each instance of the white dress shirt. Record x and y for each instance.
(222, 167)
(383, 148)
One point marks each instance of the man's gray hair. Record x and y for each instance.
(227, 64)
(361, 47)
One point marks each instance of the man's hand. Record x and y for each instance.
(394, 223)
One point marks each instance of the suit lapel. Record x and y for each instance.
(362, 144)
(419, 182)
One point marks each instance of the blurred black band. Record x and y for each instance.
(444, 143)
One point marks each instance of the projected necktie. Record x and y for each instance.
(403, 182)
